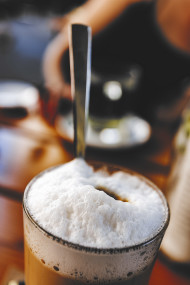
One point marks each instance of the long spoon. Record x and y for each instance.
(80, 66)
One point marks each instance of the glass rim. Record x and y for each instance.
(94, 250)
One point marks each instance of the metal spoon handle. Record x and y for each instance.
(80, 66)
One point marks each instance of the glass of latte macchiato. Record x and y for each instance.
(92, 224)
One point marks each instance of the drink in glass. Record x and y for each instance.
(92, 224)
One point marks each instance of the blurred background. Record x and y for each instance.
(139, 106)
(137, 73)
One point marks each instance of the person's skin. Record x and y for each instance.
(173, 18)
(95, 13)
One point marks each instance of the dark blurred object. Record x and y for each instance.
(133, 41)
(115, 86)
(118, 91)
(134, 38)
(10, 8)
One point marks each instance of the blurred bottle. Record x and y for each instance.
(172, 17)
(176, 244)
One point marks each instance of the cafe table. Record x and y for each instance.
(30, 145)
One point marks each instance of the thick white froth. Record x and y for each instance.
(66, 203)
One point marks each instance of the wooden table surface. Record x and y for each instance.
(28, 146)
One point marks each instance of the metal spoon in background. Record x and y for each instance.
(80, 66)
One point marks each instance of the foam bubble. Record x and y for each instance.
(66, 203)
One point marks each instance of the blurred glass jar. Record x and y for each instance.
(136, 70)
(114, 94)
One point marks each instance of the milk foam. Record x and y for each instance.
(66, 203)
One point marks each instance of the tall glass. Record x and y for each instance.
(51, 260)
